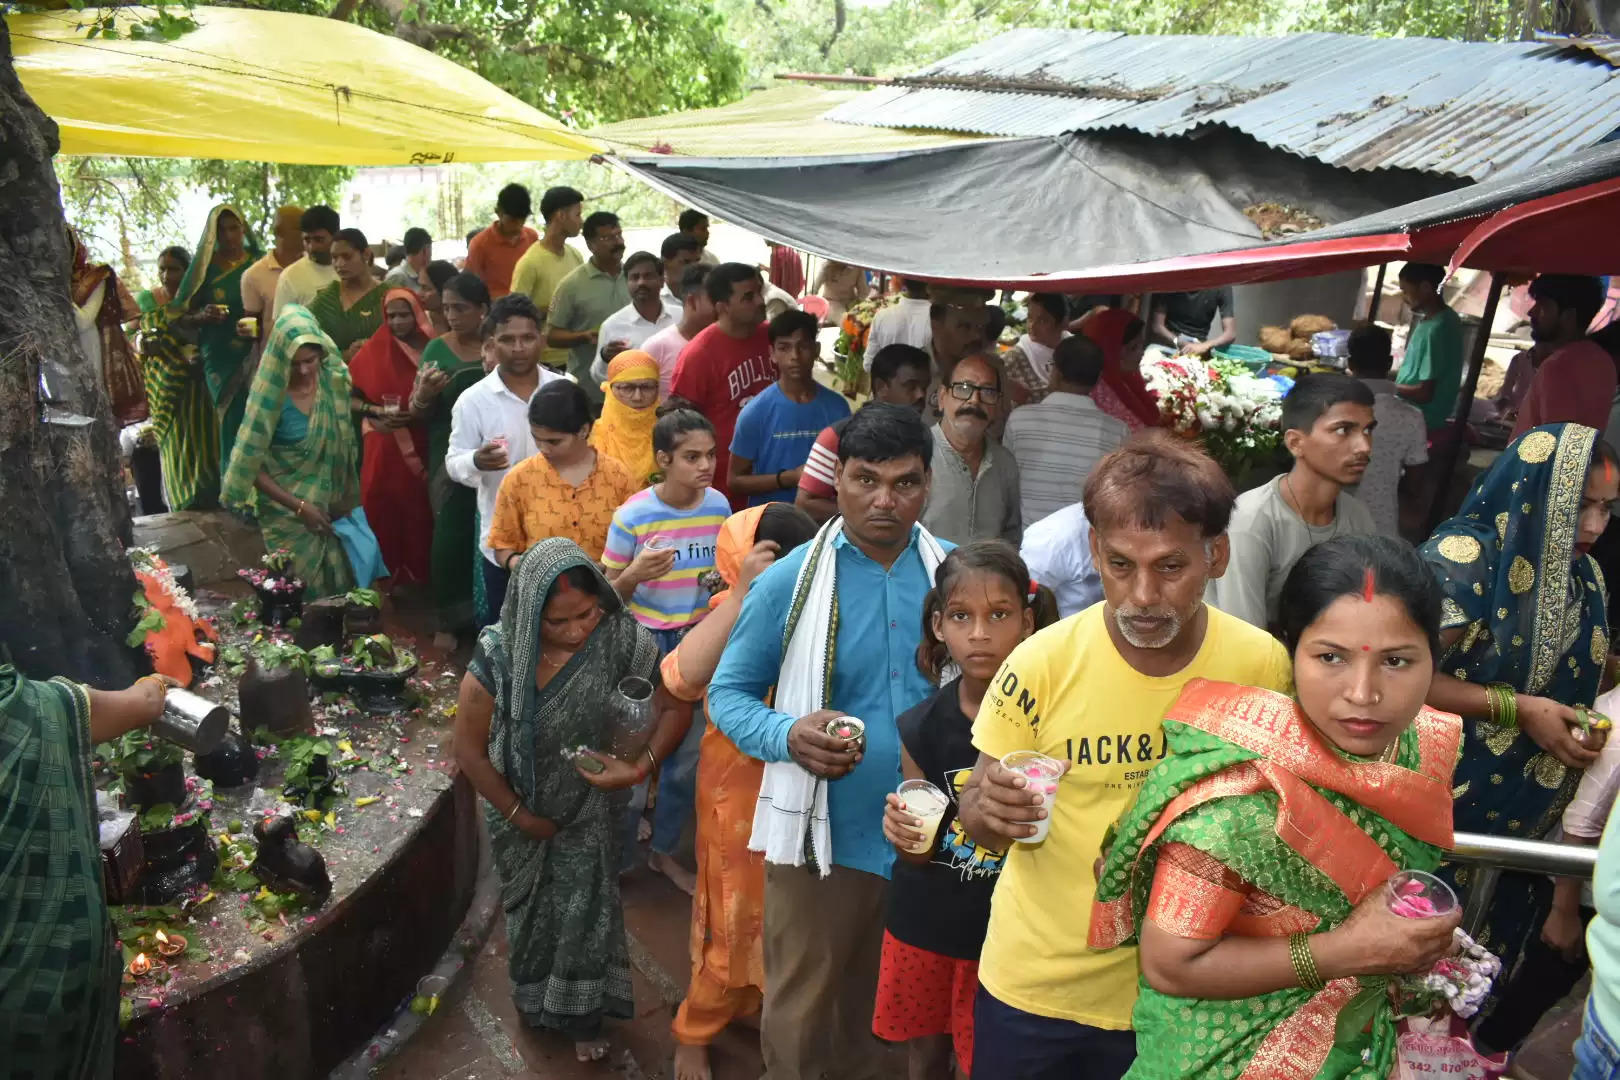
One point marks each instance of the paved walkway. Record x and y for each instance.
(476, 1034)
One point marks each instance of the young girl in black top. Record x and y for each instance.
(982, 605)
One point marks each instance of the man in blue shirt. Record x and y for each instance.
(823, 935)
(777, 428)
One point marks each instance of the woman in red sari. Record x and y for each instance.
(1122, 392)
(393, 475)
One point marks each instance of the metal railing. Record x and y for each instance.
(1493, 854)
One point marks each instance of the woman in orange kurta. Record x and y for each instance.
(728, 910)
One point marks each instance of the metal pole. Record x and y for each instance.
(1377, 293)
(857, 80)
(1528, 856)
(1490, 855)
(1442, 470)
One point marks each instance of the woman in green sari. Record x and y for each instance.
(350, 309)
(451, 363)
(211, 295)
(1251, 870)
(296, 451)
(533, 729)
(182, 413)
(59, 962)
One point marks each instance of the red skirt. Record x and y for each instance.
(922, 993)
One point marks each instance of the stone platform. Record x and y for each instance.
(292, 994)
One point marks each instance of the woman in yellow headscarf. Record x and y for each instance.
(629, 411)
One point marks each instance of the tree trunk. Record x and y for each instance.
(65, 584)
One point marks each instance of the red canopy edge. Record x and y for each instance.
(1572, 232)
(1240, 266)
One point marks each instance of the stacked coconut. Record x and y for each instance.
(1294, 340)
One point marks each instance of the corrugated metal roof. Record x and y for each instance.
(1465, 109)
(1606, 47)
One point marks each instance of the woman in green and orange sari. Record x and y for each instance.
(1251, 870)
(211, 294)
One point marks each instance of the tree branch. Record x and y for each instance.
(839, 16)
(344, 9)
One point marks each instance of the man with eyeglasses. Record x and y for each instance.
(975, 494)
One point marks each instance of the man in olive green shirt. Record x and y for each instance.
(586, 297)
(1431, 370)
(541, 268)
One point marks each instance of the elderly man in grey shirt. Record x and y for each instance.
(975, 491)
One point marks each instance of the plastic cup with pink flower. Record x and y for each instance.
(1041, 774)
(1413, 894)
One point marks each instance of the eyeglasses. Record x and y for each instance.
(964, 391)
(638, 388)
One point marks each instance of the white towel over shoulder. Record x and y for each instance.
(790, 819)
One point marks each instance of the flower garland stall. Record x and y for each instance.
(1235, 414)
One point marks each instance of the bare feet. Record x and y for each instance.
(643, 830)
(684, 879)
(591, 1049)
(692, 1063)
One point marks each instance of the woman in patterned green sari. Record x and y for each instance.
(211, 295)
(182, 413)
(59, 962)
(296, 451)
(539, 687)
(451, 363)
(1251, 868)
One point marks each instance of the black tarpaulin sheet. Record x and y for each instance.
(1074, 214)
(994, 210)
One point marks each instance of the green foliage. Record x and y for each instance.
(271, 654)
(258, 188)
(586, 63)
(298, 754)
(365, 598)
(136, 752)
(157, 817)
(148, 620)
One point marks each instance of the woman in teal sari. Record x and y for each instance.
(538, 690)
(211, 293)
(59, 962)
(297, 453)
(1524, 613)
(451, 363)
(1252, 868)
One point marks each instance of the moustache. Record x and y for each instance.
(971, 410)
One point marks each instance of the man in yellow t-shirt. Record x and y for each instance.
(547, 262)
(1092, 691)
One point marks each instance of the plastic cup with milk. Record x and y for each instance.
(1041, 774)
(926, 802)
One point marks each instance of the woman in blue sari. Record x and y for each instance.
(1525, 640)
(211, 292)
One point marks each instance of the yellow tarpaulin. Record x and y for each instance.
(270, 86)
(784, 121)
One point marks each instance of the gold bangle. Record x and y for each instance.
(517, 804)
(652, 762)
(1299, 953)
(163, 687)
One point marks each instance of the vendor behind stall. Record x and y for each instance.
(1184, 320)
